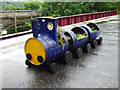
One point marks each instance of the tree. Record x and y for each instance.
(72, 8)
(6, 6)
(31, 5)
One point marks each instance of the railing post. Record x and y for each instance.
(110, 14)
(76, 19)
(104, 14)
(58, 21)
(101, 15)
(115, 12)
(62, 22)
(83, 18)
(73, 19)
(70, 20)
(15, 23)
(93, 16)
(97, 15)
(80, 18)
(31, 14)
(89, 16)
(86, 17)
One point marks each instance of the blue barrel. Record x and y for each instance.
(92, 34)
(45, 48)
(75, 43)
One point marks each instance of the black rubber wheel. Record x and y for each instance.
(100, 41)
(94, 44)
(53, 67)
(78, 53)
(67, 57)
(87, 48)
(28, 63)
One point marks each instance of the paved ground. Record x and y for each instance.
(98, 69)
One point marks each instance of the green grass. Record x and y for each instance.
(60, 39)
(93, 30)
(80, 36)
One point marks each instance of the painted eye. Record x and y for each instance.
(29, 57)
(40, 59)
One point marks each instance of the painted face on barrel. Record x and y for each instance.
(34, 51)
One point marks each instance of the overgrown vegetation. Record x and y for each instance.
(93, 29)
(58, 9)
(72, 8)
(80, 36)
(20, 27)
(11, 5)
(62, 8)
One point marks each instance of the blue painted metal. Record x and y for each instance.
(80, 42)
(43, 23)
(48, 38)
(95, 34)
(73, 36)
(34, 27)
(92, 36)
(52, 50)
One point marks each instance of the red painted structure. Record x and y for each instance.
(67, 20)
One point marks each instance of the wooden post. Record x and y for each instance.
(31, 14)
(15, 24)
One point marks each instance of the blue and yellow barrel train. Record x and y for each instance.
(50, 42)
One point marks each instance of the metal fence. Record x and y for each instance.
(67, 20)
(18, 17)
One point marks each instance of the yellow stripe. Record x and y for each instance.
(35, 48)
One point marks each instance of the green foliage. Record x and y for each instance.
(93, 30)
(11, 5)
(13, 8)
(72, 8)
(31, 5)
(105, 6)
(16, 4)
(61, 8)
(5, 6)
(80, 36)
(20, 27)
(58, 9)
